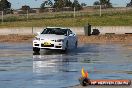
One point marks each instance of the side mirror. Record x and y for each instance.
(71, 35)
(38, 33)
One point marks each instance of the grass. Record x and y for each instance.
(107, 19)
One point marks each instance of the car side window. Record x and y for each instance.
(65, 32)
(44, 31)
(69, 32)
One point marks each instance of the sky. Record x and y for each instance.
(16, 4)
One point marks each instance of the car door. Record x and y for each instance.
(71, 38)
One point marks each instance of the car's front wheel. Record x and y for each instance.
(36, 50)
(66, 47)
(76, 44)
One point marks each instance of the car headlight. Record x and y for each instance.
(59, 40)
(36, 38)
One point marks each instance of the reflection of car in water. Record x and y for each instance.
(49, 63)
(43, 64)
(55, 38)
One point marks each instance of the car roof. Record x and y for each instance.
(57, 27)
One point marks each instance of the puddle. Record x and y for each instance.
(19, 68)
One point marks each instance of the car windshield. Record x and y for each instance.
(57, 31)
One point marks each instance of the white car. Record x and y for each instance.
(55, 38)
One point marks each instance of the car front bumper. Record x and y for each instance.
(49, 45)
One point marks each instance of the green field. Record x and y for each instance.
(67, 20)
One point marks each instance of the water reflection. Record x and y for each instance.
(46, 63)
(51, 66)
(102, 62)
(54, 69)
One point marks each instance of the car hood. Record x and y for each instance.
(51, 36)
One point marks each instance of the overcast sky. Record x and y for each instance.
(16, 4)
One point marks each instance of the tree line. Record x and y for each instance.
(60, 4)
(4, 5)
(105, 3)
(129, 4)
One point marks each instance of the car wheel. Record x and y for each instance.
(76, 44)
(66, 47)
(36, 50)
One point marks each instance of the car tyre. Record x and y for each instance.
(66, 48)
(76, 44)
(36, 50)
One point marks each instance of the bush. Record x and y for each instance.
(11, 19)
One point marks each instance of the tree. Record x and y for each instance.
(47, 3)
(59, 4)
(68, 3)
(77, 5)
(108, 3)
(25, 8)
(129, 4)
(96, 3)
(83, 4)
(4, 5)
(105, 3)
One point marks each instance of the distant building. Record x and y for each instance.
(25, 8)
(50, 9)
(35, 10)
(67, 9)
(16, 11)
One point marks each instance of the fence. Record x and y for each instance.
(87, 11)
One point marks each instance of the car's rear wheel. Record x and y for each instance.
(36, 50)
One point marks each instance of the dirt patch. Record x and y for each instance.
(16, 38)
(81, 38)
(105, 39)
